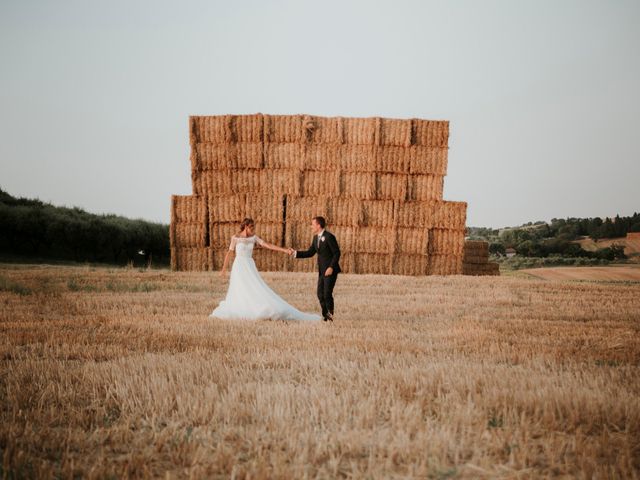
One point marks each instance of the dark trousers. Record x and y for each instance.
(325, 292)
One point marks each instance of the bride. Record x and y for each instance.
(248, 296)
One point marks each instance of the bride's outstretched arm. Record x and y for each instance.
(274, 247)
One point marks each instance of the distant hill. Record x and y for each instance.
(31, 230)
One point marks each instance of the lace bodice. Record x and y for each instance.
(243, 246)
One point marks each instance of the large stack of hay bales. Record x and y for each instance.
(476, 259)
(378, 181)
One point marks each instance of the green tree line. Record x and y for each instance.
(34, 229)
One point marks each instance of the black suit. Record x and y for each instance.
(328, 256)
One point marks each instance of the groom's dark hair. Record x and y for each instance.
(321, 221)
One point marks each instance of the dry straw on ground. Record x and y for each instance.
(120, 373)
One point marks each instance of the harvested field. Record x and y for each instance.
(612, 273)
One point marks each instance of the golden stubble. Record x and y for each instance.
(120, 372)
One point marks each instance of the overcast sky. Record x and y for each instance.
(543, 96)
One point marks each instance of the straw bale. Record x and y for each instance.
(377, 213)
(392, 159)
(211, 129)
(212, 156)
(446, 241)
(395, 132)
(361, 131)
(430, 133)
(283, 129)
(271, 232)
(357, 158)
(344, 211)
(246, 181)
(213, 182)
(321, 157)
(190, 258)
(189, 234)
(411, 240)
(346, 237)
(375, 239)
(359, 185)
(409, 264)
(323, 130)
(347, 261)
(188, 209)
(391, 186)
(228, 208)
(247, 128)
(490, 268)
(475, 259)
(448, 214)
(444, 264)
(269, 261)
(298, 235)
(194, 158)
(282, 181)
(316, 183)
(247, 155)
(216, 259)
(220, 233)
(303, 209)
(284, 155)
(412, 213)
(264, 207)
(478, 246)
(432, 160)
(373, 263)
(425, 187)
(308, 265)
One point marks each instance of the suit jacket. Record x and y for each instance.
(328, 252)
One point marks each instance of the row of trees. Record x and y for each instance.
(541, 239)
(31, 228)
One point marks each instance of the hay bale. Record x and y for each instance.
(361, 131)
(283, 129)
(211, 129)
(211, 156)
(480, 246)
(188, 209)
(216, 259)
(303, 209)
(411, 213)
(247, 155)
(190, 258)
(448, 214)
(444, 264)
(392, 186)
(347, 261)
(281, 181)
(425, 187)
(428, 160)
(430, 133)
(409, 264)
(375, 240)
(323, 130)
(411, 240)
(357, 158)
(321, 157)
(307, 265)
(245, 181)
(377, 213)
(247, 128)
(395, 132)
(189, 235)
(269, 261)
(271, 232)
(361, 186)
(284, 156)
(228, 208)
(481, 269)
(373, 263)
(264, 207)
(391, 159)
(298, 235)
(446, 241)
(320, 183)
(346, 237)
(220, 234)
(213, 182)
(475, 259)
(344, 211)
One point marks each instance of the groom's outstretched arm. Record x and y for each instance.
(307, 253)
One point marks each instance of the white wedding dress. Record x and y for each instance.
(248, 296)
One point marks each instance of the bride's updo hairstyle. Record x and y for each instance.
(245, 223)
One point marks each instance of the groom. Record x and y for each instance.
(324, 243)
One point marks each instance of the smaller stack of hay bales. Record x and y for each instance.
(188, 235)
(476, 259)
(632, 244)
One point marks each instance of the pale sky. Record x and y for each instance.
(543, 96)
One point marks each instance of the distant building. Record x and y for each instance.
(510, 252)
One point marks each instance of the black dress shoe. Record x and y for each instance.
(324, 319)
(330, 317)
